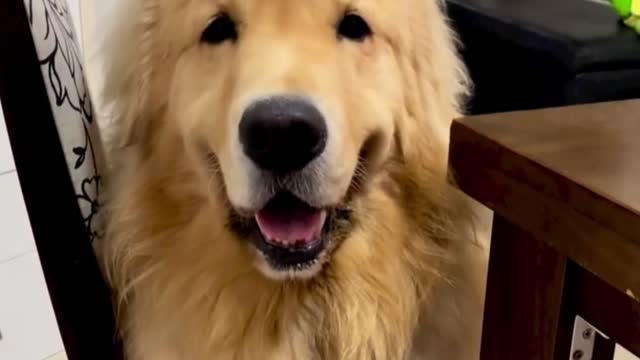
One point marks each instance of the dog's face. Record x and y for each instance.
(291, 106)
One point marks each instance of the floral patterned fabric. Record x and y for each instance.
(62, 70)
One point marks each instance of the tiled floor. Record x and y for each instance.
(6, 158)
(59, 356)
(27, 322)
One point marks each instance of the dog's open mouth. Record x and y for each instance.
(292, 233)
(290, 223)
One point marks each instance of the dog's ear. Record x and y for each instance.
(130, 52)
(435, 80)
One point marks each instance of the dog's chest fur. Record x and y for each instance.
(392, 309)
(253, 323)
(401, 286)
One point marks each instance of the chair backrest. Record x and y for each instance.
(58, 157)
(61, 65)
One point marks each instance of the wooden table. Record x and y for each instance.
(565, 187)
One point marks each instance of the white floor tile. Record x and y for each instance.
(6, 158)
(15, 229)
(27, 322)
(58, 356)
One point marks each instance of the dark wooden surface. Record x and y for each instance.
(570, 175)
(565, 185)
(603, 348)
(79, 295)
(536, 296)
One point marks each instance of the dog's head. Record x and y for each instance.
(293, 108)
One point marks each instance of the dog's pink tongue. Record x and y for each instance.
(287, 228)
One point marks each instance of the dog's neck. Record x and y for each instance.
(365, 304)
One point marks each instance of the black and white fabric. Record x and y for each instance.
(62, 69)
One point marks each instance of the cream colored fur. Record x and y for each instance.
(408, 281)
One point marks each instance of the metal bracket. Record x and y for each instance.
(584, 339)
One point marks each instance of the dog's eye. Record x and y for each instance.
(353, 27)
(219, 30)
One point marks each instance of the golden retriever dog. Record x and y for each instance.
(280, 186)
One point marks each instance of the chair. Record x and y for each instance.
(58, 157)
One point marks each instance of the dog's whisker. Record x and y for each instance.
(212, 190)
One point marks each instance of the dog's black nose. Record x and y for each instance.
(282, 134)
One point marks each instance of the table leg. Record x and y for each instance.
(524, 317)
(603, 348)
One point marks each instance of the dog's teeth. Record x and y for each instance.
(306, 265)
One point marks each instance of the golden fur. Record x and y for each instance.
(406, 282)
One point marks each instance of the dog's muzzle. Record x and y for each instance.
(283, 137)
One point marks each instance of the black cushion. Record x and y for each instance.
(525, 54)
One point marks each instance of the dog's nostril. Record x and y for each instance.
(282, 134)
